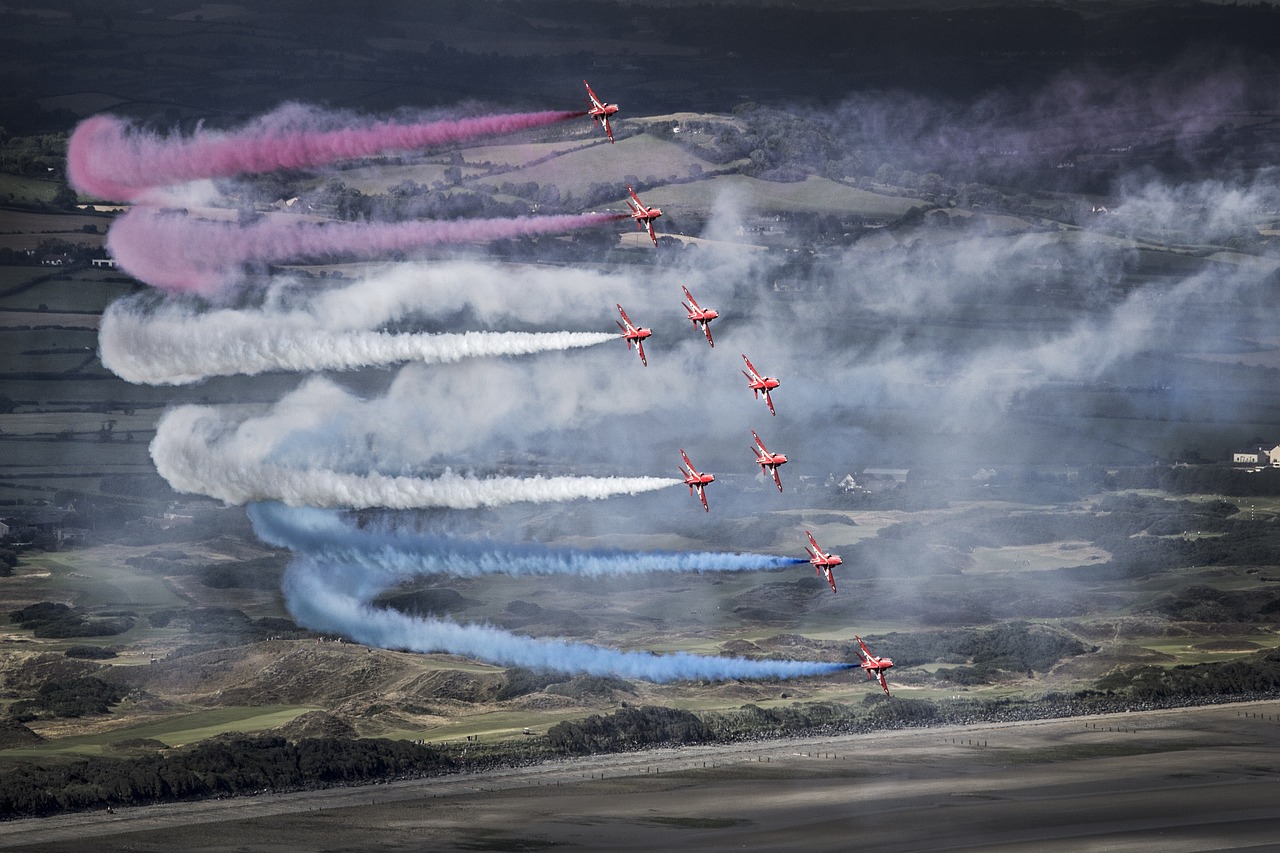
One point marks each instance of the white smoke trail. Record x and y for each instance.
(334, 598)
(175, 347)
(196, 452)
(325, 536)
(301, 327)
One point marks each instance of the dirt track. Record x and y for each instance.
(1174, 780)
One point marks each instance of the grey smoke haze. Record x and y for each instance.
(1206, 212)
(1083, 111)
(908, 345)
(893, 325)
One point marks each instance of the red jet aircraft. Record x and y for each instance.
(698, 315)
(760, 384)
(643, 216)
(822, 563)
(694, 479)
(874, 666)
(767, 461)
(633, 333)
(600, 111)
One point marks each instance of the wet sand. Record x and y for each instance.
(1174, 780)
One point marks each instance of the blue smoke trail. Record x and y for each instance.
(341, 569)
(335, 598)
(324, 535)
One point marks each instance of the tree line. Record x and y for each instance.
(228, 765)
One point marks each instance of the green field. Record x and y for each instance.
(98, 583)
(19, 189)
(179, 729)
(1184, 651)
(78, 290)
(510, 156)
(15, 280)
(576, 171)
(378, 179)
(496, 725)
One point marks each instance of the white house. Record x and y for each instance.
(1259, 456)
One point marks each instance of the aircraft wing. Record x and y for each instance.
(640, 347)
(706, 330)
(776, 478)
(693, 302)
(884, 684)
(769, 402)
(759, 443)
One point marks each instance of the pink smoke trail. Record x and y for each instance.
(110, 159)
(180, 254)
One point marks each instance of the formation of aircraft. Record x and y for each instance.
(767, 461)
(760, 384)
(600, 111)
(631, 332)
(643, 216)
(874, 667)
(695, 479)
(699, 316)
(822, 563)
